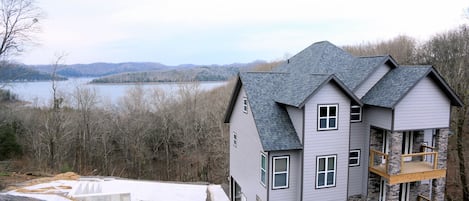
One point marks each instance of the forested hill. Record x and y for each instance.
(20, 73)
(98, 69)
(106, 69)
(203, 73)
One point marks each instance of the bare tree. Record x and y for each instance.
(19, 22)
(449, 52)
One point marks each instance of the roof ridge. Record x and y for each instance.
(372, 56)
(417, 66)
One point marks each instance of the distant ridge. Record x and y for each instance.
(146, 71)
(106, 69)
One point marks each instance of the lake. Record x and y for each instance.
(40, 93)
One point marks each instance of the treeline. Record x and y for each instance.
(449, 53)
(147, 135)
(202, 73)
(10, 72)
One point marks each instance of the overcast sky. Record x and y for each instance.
(225, 31)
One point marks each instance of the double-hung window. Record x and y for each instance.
(355, 113)
(280, 173)
(327, 117)
(354, 158)
(326, 171)
(263, 168)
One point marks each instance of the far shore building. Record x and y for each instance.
(326, 125)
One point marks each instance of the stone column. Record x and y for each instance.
(441, 146)
(394, 163)
(392, 192)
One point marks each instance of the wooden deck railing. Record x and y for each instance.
(377, 158)
(422, 198)
(414, 167)
(380, 157)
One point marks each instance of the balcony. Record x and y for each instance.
(414, 167)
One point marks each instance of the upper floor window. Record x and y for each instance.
(280, 173)
(327, 117)
(355, 113)
(354, 158)
(326, 171)
(245, 105)
(263, 168)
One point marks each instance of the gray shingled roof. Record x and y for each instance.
(326, 58)
(297, 88)
(274, 126)
(395, 85)
(293, 82)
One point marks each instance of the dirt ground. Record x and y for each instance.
(11, 179)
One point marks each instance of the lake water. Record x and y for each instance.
(40, 93)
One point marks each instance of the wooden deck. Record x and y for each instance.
(410, 167)
(410, 171)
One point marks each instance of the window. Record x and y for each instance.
(235, 139)
(245, 105)
(280, 175)
(263, 169)
(355, 113)
(354, 158)
(327, 117)
(325, 171)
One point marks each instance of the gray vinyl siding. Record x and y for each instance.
(365, 159)
(379, 117)
(372, 80)
(296, 116)
(425, 106)
(294, 183)
(357, 141)
(331, 142)
(245, 158)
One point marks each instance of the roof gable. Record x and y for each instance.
(276, 132)
(395, 85)
(297, 89)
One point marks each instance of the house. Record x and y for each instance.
(326, 125)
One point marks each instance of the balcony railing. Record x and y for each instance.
(422, 198)
(414, 167)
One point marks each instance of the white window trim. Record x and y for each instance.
(359, 114)
(328, 117)
(263, 170)
(281, 172)
(245, 105)
(326, 171)
(358, 158)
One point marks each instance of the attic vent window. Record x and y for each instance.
(245, 105)
(355, 113)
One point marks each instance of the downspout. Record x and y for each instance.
(302, 157)
(349, 139)
(268, 176)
